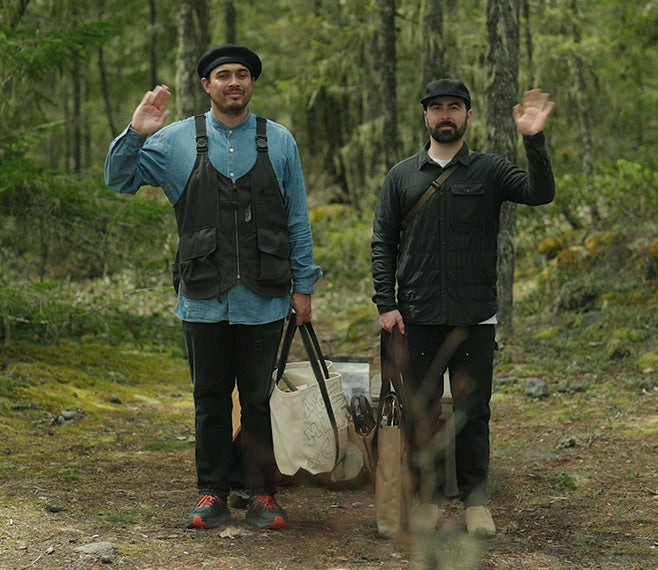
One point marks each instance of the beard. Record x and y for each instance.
(447, 136)
(230, 106)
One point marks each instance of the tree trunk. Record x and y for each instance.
(529, 47)
(385, 69)
(76, 84)
(154, 43)
(503, 32)
(231, 22)
(583, 114)
(192, 42)
(16, 17)
(104, 92)
(433, 49)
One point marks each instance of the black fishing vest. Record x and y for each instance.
(230, 231)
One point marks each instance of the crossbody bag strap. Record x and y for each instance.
(433, 187)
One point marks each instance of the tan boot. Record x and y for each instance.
(424, 517)
(479, 522)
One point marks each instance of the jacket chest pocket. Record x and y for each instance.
(467, 205)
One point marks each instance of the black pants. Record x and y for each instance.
(220, 354)
(468, 352)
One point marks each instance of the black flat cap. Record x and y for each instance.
(446, 87)
(229, 53)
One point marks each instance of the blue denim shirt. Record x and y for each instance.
(166, 160)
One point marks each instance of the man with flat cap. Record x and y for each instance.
(434, 250)
(244, 263)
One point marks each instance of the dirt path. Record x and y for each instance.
(574, 486)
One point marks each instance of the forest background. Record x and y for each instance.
(346, 78)
(80, 265)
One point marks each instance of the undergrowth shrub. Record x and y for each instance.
(342, 249)
(49, 312)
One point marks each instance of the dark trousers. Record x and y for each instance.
(220, 355)
(468, 353)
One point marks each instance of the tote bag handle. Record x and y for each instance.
(318, 364)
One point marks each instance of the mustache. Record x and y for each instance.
(447, 124)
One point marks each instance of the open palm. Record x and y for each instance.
(151, 114)
(531, 117)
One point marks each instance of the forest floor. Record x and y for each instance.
(574, 478)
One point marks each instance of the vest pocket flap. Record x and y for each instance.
(467, 189)
(199, 243)
(273, 242)
(274, 262)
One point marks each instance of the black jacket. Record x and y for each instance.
(444, 263)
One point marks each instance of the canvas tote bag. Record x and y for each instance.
(393, 480)
(308, 409)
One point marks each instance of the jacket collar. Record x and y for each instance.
(462, 156)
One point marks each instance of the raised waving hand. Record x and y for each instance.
(151, 114)
(531, 117)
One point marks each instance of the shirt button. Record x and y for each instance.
(230, 150)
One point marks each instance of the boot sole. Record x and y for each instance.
(198, 522)
(278, 522)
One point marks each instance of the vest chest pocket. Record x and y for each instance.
(193, 263)
(467, 205)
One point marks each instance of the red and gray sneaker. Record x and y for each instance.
(264, 512)
(210, 512)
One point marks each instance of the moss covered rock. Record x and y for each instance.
(648, 360)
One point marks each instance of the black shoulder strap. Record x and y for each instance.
(201, 135)
(433, 187)
(261, 134)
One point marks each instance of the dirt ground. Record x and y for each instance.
(570, 490)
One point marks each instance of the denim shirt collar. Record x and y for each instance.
(248, 122)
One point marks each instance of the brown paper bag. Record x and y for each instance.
(393, 478)
(393, 481)
(235, 416)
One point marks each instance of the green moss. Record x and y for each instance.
(617, 348)
(165, 445)
(547, 332)
(648, 360)
(566, 482)
(118, 518)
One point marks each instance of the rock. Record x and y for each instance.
(536, 388)
(114, 399)
(64, 417)
(102, 549)
(592, 317)
(506, 381)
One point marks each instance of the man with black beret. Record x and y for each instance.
(434, 250)
(244, 263)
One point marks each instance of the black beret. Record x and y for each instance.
(229, 53)
(443, 87)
